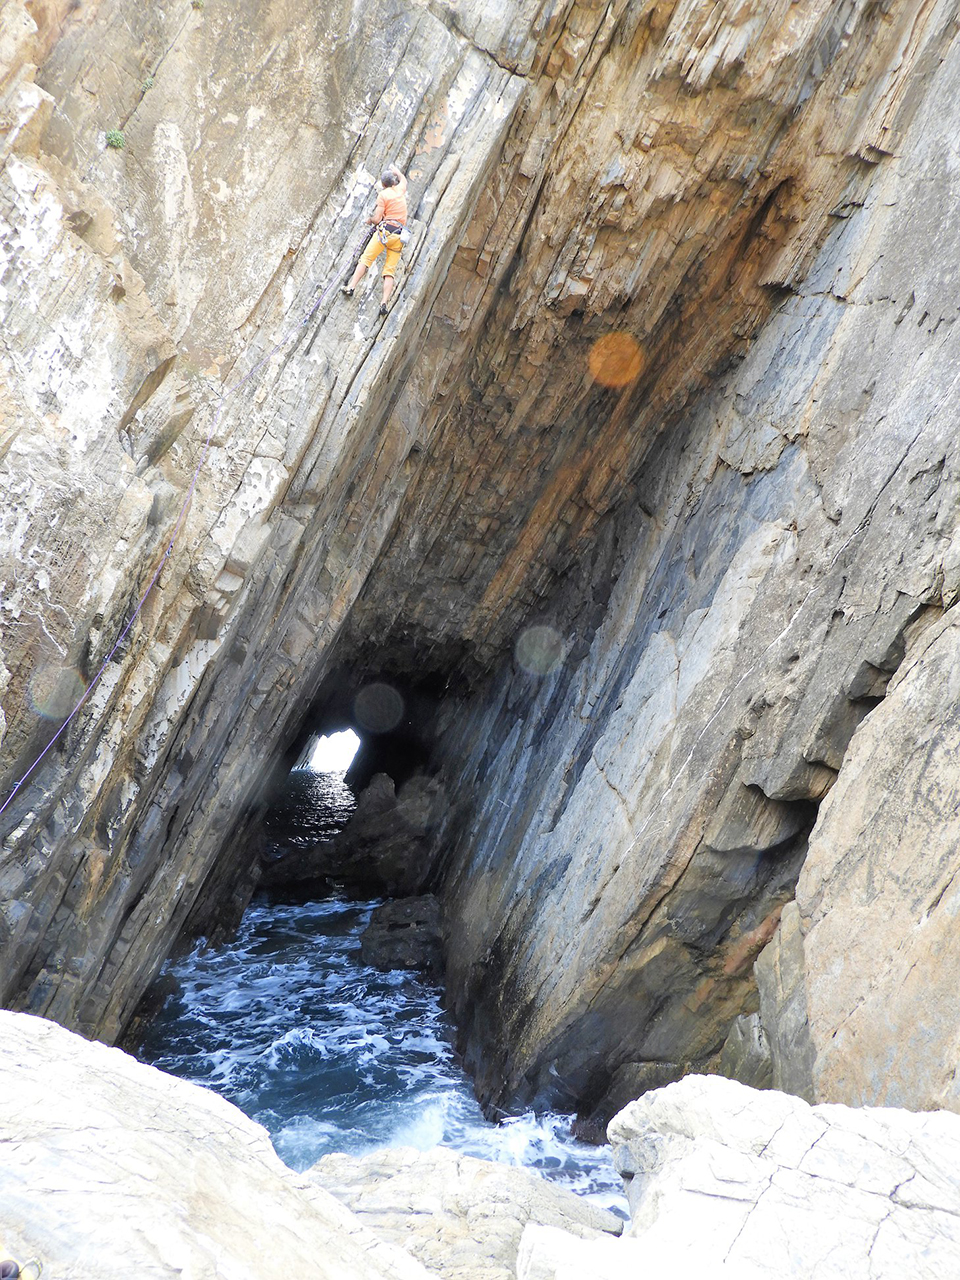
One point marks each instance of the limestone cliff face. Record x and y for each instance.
(645, 808)
(125, 323)
(669, 372)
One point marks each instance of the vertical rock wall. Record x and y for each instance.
(643, 811)
(124, 321)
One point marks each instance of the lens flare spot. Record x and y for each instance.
(378, 708)
(540, 650)
(615, 359)
(55, 691)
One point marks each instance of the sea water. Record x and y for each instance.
(331, 1055)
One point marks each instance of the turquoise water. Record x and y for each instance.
(331, 1055)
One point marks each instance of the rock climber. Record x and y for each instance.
(390, 220)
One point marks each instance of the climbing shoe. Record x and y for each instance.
(10, 1270)
(383, 308)
(346, 291)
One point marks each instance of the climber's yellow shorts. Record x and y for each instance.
(374, 249)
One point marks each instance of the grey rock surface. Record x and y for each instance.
(724, 1180)
(113, 1169)
(641, 811)
(879, 896)
(745, 1055)
(783, 1020)
(404, 934)
(461, 1217)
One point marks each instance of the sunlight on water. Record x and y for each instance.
(330, 1055)
(309, 807)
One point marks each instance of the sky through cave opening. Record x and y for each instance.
(333, 752)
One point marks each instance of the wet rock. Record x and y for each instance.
(461, 1218)
(386, 846)
(728, 1181)
(113, 1169)
(405, 934)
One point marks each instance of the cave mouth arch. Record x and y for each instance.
(330, 752)
(385, 805)
(393, 713)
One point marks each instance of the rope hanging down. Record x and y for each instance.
(224, 397)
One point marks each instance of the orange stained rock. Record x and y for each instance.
(749, 946)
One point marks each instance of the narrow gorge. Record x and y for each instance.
(628, 540)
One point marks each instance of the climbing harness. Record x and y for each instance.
(387, 231)
(224, 397)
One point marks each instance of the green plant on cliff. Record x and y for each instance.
(148, 83)
(115, 139)
(196, 4)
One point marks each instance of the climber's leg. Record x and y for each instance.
(389, 270)
(367, 259)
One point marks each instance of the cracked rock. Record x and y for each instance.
(724, 1180)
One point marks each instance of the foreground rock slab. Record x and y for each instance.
(461, 1217)
(724, 1180)
(113, 1169)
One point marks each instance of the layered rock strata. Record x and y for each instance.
(669, 373)
(232, 202)
(644, 807)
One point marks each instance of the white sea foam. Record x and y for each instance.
(330, 1055)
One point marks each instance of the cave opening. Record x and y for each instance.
(317, 1017)
(330, 752)
(354, 802)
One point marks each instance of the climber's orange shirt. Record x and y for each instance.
(392, 204)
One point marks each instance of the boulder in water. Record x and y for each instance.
(404, 934)
(384, 847)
